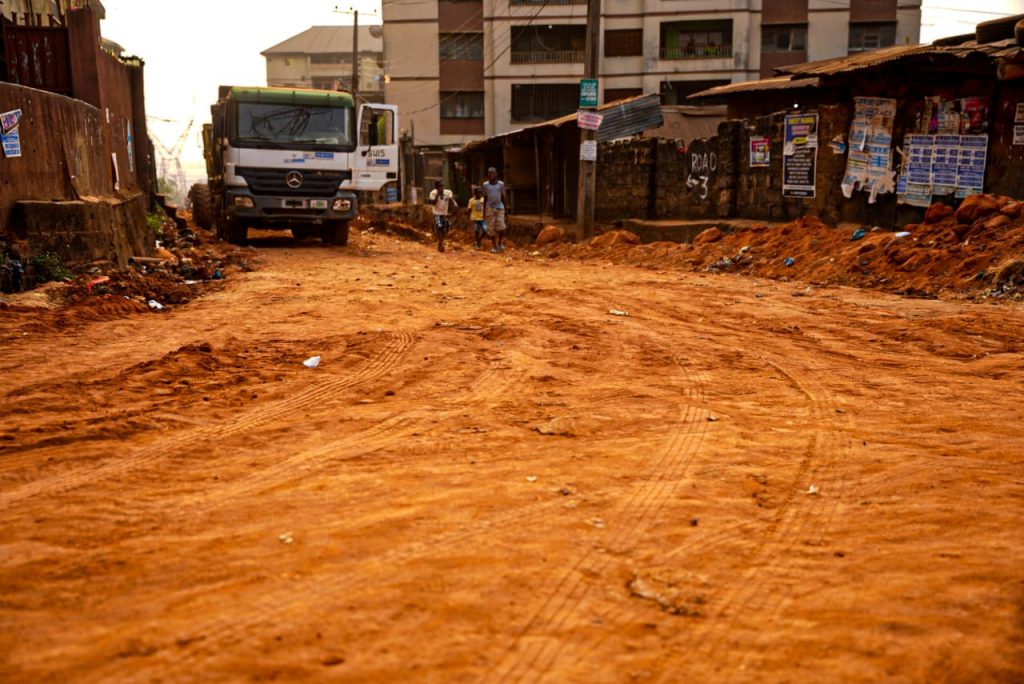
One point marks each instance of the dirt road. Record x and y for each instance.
(492, 479)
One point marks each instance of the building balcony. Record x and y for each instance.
(548, 57)
(696, 52)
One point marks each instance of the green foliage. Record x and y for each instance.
(165, 187)
(156, 223)
(48, 266)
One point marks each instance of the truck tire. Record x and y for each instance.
(235, 232)
(334, 233)
(202, 205)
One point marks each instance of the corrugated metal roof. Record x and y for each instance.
(622, 118)
(809, 75)
(328, 39)
(684, 122)
(859, 60)
(777, 83)
(874, 58)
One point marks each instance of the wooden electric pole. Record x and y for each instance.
(354, 86)
(355, 57)
(587, 190)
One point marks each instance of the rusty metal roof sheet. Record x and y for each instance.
(809, 74)
(622, 118)
(776, 83)
(687, 122)
(874, 58)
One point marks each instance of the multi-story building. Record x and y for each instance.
(321, 58)
(463, 69)
(45, 12)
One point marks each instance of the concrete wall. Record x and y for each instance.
(641, 178)
(288, 70)
(66, 147)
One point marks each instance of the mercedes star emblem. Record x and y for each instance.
(294, 180)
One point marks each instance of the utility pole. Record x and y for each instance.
(354, 86)
(355, 57)
(587, 189)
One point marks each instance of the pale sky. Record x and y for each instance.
(193, 46)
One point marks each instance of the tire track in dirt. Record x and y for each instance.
(387, 358)
(793, 523)
(640, 510)
(295, 603)
(801, 516)
(496, 378)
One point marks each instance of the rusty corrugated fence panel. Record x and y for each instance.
(629, 117)
(37, 57)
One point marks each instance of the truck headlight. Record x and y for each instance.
(342, 204)
(244, 202)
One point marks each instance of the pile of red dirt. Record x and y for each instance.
(186, 266)
(977, 251)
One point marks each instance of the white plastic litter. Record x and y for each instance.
(812, 490)
(618, 312)
(311, 362)
(153, 304)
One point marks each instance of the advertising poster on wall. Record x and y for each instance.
(10, 138)
(760, 152)
(942, 165)
(970, 176)
(869, 163)
(973, 115)
(799, 155)
(1018, 134)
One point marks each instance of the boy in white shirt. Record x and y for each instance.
(441, 199)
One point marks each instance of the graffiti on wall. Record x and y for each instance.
(702, 166)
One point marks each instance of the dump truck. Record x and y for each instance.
(292, 158)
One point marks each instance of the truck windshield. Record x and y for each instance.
(286, 125)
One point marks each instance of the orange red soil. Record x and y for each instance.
(492, 478)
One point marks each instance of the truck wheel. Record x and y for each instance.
(235, 232)
(334, 233)
(202, 205)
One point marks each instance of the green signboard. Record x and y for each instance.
(588, 92)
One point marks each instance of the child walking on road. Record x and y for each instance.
(494, 195)
(476, 215)
(441, 199)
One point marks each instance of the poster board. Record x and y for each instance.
(942, 165)
(800, 155)
(760, 152)
(869, 163)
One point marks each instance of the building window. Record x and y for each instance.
(548, 43)
(871, 36)
(456, 105)
(613, 94)
(624, 43)
(331, 58)
(542, 101)
(462, 46)
(696, 39)
(791, 38)
(676, 92)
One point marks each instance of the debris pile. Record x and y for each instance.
(185, 264)
(975, 251)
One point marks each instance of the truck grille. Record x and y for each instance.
(315, 183)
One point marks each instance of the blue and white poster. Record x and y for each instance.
(9, 136)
